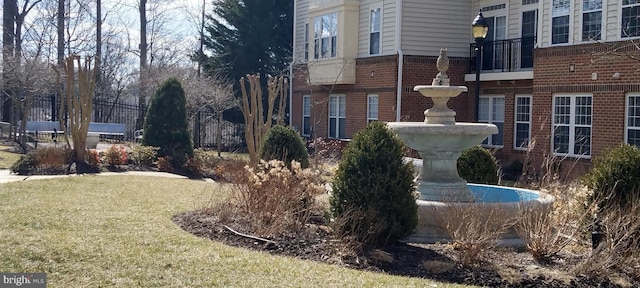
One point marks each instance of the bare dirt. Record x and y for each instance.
(500, 267)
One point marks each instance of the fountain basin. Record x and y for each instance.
(442, 137)
(493, 203)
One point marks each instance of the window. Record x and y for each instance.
(633, 120)
(325, 31)
(630, 18)
(374, 32)
(372, 107)
(591, 19)
(560, 21)
(529, 30)
(493, 51)
(522, 122)
(306, 115)
(306, 41)
(492, 111)
(572, 125)
(337, 116)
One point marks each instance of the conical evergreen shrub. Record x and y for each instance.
(373, 198)
(166, 125)
(284, 144)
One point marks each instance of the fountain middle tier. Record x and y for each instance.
(440, 145)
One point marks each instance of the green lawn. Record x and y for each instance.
(7, 158)
(97, 231)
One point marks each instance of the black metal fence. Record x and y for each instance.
(205, 123)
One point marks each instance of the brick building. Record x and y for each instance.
(559, 77)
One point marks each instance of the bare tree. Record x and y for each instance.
(209, 93)
(142, 10)
(8, 48)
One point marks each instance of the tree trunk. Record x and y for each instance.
(60, 30)
(142, 93)
(98, 71)
(8, 38)
(219, 135)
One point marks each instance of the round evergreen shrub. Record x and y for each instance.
(283, 143)
(477, 165)
(25, 165)
(615, 176)
(373, 198)
(166, 125)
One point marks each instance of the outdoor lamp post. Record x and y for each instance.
(479, 29)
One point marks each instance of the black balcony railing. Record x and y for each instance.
(505, 55)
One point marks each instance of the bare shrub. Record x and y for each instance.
(51, 159)
(358, 226)
(473, 228)
(546, 231)
(620, 250)
(231, 170)
(325, 150)
(277, 199)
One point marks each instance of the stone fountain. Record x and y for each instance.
(440, 140)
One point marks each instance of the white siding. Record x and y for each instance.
(387, 26)
(513, 11)
(429, 26)
(301, 17)
(612, 10)
(575, 31)
(545, 18)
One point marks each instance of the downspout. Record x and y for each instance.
(291, 93)
(293, 59)
(400, 59)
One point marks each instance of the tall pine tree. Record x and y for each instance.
(248, 37)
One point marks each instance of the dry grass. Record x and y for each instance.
(474, 228)
(7, 158)
(620, 250)
(96, 231)
(547, 231)
(277, 199)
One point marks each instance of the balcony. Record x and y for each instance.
(510, 55)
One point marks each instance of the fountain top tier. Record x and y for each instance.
(440, 92)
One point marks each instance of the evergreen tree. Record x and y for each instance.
(166, 123)
(372, 199)
(248, 37)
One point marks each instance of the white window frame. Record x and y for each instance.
(591, 10)
(372, 114)
(572, 124)
(372, 30)
(628, 116)
(526, 119)
(306, 114)
(629, 4)
(492, 118)
(330, 34)
(340, 115)
(558, 14)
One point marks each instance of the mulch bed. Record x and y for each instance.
(503, 267)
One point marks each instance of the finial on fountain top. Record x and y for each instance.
(443, 65)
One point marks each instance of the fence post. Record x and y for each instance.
(54, 110)
(196, 130)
